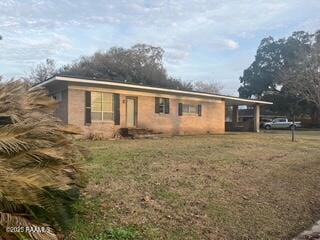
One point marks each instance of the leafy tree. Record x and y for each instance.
(303, 78)
(40, 173)
(263, 73)
(140, 64)
(268, 75)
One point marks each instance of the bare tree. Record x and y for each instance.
(42, 71)
(210, 87)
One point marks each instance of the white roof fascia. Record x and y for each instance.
(110, 83)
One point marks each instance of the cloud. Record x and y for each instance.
(231, 44)
(311, 25)
(27, 51)
(193, 33)
(174, 56)
(225, 44)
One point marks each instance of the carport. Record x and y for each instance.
(232, 114)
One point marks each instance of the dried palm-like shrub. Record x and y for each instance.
(40, 170)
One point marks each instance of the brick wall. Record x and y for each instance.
(76, 107)
(62, 109)
(211, 121)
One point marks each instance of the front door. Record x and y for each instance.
(131, 111)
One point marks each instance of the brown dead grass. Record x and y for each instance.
(233, 186)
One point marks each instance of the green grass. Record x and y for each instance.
(233, 186)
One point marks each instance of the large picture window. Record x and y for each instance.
(101, 106)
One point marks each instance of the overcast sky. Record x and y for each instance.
(203, 40)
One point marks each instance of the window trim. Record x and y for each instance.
(190, 113)
(102, 112)
(198, 108)
(165, 103)
(162, 103)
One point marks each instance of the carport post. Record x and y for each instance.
(256, 120)
(235, 114)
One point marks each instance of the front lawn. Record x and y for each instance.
(233, 186)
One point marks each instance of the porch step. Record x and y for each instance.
(139, 131)
(135, 133)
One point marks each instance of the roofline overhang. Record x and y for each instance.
(141, 87)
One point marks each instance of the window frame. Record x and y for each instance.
(196, 113)
(163, 105)
(102, 107)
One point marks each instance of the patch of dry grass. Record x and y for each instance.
(233, 186)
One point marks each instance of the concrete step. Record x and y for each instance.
(139, 131)
(135, 133)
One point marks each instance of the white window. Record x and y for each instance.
(190, 109)
(162, 105)
(101, 106)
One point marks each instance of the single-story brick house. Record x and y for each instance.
(102, 106)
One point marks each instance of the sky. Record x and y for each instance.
(204, 40)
